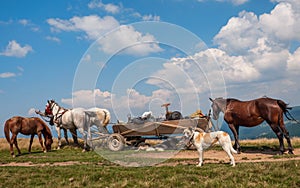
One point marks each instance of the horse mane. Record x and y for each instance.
(46, 130)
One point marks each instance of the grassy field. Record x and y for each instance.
(70, 167)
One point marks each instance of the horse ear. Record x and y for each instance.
(211, 99)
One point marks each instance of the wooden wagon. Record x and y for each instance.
(133, 134)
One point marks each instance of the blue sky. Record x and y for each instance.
(132, 56)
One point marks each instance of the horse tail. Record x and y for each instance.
(106, 118)
(285, 108)
(6, 131)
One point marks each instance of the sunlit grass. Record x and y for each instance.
(91, 170)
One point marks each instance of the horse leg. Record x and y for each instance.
(74, 135)
(279, 135)
(11, 144)
(41, 141)
(66, 135)
(84, 135)
(287, 137)
(16, 144)
(90, 141)
(30, 143)
(235, 129)
(58, 136)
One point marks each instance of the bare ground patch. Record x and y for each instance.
(184, 157)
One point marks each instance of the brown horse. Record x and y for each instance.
(27, 126)
(252, 113)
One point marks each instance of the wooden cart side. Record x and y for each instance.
(159, 128)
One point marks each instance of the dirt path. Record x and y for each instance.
(190, 157)
(219, 156)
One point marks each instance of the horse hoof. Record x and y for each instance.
(84, 150)
(14, 156)
(291, 152)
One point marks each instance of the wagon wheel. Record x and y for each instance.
(115, 142)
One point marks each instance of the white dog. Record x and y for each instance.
(203, 140)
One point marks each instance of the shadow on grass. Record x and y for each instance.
(261, 149)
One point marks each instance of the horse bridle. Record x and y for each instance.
(57, 118)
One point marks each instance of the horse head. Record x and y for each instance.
(49, 108)
(217, 106)
(47, 137)
(48, 142)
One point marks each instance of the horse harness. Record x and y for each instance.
(58, 116)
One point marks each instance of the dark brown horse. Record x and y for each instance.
(27, 126)
(252, 113)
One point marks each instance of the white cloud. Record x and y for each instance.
(277, 29)
(293, 63)
(7, 75)
(186, 73)
(151, 17)
(110, 8)
(131, 41)
(282, 23)
(14, 49)
(123, 37)
(92, 25)
(28, 23)
(55, 39)
(131, 101)
(89, 98)
(235, 2)
(239, 34)
(264, 42)
(24, 22)
(31, 111)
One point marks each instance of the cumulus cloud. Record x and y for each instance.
(131, 101)
(110, 8)
(282, 23)
(293, 63)
(277, 29)
(239, 34)
(263, 43)
(89, 98)
(186, 74)
(93, 25)
(123, 37)
(14, 49)
(131, 41)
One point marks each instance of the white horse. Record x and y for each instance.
(58, 129)
(79, 118)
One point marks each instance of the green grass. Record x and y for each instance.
(283, 174)
(91, 170)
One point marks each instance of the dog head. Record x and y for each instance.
(188, 132)
(187, 135)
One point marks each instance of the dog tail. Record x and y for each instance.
(233, 150)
